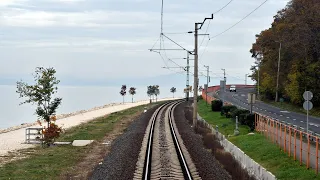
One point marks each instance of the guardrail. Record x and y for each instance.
(295, 142)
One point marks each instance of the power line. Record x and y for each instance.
(240, 20)
(209, 26)
(214, 14)
(232, 25)
(223, 7)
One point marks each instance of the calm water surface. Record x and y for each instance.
(73, 99)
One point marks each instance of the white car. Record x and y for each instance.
(233, 88)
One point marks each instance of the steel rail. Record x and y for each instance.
(183, 163)
(148, 157)
(147, 162)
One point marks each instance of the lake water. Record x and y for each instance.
(73, 99)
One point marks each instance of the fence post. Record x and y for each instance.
(264, 126)
(273, 131)
(268, 129)
(308, 158)
(295, 145)
(277, 132)
(289, 141)
(285, 138)
(280, 135)
(255, 121)
(317, 154)
(300, 148)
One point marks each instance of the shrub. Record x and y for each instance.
(249, 121)
(228, 162)
(225, 110)
(237, 112)
(51, 133)
(242, 118)
(216, 105)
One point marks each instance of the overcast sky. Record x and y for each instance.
(94, 40)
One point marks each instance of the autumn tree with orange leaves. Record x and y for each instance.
(297, 27)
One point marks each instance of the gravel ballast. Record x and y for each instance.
(120, 163)
(207, 166)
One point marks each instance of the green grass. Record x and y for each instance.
(294, 108)
(272, 158)
(258, 148)
(49, 163)
(226, 126)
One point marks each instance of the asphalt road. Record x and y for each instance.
(240, 97)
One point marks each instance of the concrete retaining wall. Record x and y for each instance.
(247, 163)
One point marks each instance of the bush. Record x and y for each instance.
(247, 119)
(237, 112)
(228, 162)
(225, 110)
(242, 118)
(216, 105)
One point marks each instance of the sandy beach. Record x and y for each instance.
(13, 138)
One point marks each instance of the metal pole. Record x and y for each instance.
(195, 83)
(307, 116)
(224, 85)
(245, 80)
(207, 83)
(251, 102)
(195, 98)
(259, 81)
(188, 66)
(276, 100)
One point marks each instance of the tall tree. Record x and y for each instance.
(41, 94)
(132, 91)
(173, 90)
(150, 91)
(156, 91)
(123, 91)
(297, 28)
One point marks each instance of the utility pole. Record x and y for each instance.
(207, 83)
(224, 85)
(276, 100)
(224, 74)
(245, 80)
(259, 58)
(195, 91)
(188, 66)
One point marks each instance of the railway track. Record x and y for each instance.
(163, 154)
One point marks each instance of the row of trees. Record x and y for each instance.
(297, 29)
(152, 90)
(42, 92)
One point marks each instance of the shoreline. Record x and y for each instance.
(62, 116)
